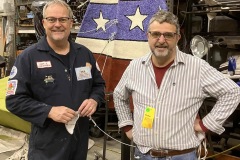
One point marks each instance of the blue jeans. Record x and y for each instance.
(188, 156)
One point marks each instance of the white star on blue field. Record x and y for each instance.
(126, 20)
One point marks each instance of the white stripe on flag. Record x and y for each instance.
(117, 48)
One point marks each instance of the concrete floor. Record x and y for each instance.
(113, 151)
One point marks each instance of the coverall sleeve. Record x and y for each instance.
(19, 98)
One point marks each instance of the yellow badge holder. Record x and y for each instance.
(148, 118)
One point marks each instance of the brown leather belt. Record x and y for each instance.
(165, 153)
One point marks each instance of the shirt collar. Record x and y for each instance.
(180, 57)
(44, 46)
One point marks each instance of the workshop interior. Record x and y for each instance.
(210, 30)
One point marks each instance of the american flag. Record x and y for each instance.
(118, 28)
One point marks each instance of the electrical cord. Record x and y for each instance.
(215, 155)
(83, 3)
(95, 125)
(40, 32)
(36, 8)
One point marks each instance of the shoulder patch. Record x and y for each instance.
(11, 87)
(13, 72)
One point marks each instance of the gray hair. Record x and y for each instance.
(61, 2)
(165, 16)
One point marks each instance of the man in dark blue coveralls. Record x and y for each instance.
(50, 84)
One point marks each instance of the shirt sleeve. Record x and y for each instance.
(121, 100)
(226, 91)
(202, 126)
(127, 128)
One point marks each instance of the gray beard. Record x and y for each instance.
(161, 54)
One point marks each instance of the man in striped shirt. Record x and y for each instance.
(168, 88)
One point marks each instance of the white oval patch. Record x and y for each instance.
(13, 72)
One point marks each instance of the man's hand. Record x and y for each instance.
(129, 134)
(197, 126)
(61, 114)
(87, 108)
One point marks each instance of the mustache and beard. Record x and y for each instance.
(161, 50)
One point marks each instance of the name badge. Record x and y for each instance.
(44, 64)
(148, 118)
(83, 73)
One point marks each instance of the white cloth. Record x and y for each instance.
(71, 124)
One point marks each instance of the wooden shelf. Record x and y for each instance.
(7, 14)
(24, 4)
(25, 25)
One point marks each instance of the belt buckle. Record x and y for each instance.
(158, 153)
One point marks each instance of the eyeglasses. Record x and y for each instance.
(54, 20)
(166, 35)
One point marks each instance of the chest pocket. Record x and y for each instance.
(82, 79)
(45, 83)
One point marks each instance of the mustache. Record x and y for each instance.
(161, 46)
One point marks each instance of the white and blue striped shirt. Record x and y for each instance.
(185, 85)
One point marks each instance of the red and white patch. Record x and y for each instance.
(11, 87)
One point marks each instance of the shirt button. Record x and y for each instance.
(65, 70)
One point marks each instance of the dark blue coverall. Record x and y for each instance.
(38, 87)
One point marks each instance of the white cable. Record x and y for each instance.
(111, 38)
(95, 125)
(204, 143)
(83, 3)
(104, 64)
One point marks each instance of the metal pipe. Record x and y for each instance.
(188, 25)
(212, 11)
(216, 5)
(229, 2)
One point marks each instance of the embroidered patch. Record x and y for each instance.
(11, 87)
(13, 72)
(44, 64)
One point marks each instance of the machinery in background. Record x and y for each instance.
(215, 37)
